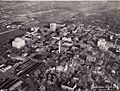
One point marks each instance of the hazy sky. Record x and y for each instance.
(58, 0)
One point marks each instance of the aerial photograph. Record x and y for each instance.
(59, 45)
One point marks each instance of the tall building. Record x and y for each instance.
(53, 26)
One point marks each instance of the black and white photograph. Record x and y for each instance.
(64, 45)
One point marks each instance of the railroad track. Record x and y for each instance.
(28, 69)
(10, 82)
(7, 83)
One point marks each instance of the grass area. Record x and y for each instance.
(4, 38)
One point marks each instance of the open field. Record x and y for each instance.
(23, 11)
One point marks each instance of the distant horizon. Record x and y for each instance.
(59, 0)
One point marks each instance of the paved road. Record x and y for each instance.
(40, 12)
(6, 32)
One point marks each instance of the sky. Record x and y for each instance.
(58, 0)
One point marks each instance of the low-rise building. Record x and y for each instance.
(91, 59)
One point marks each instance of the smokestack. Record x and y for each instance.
(59, 46)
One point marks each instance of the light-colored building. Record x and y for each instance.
(6, 68)
(53, 26)
(68, 88)
(18, 43)
(102, 44)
